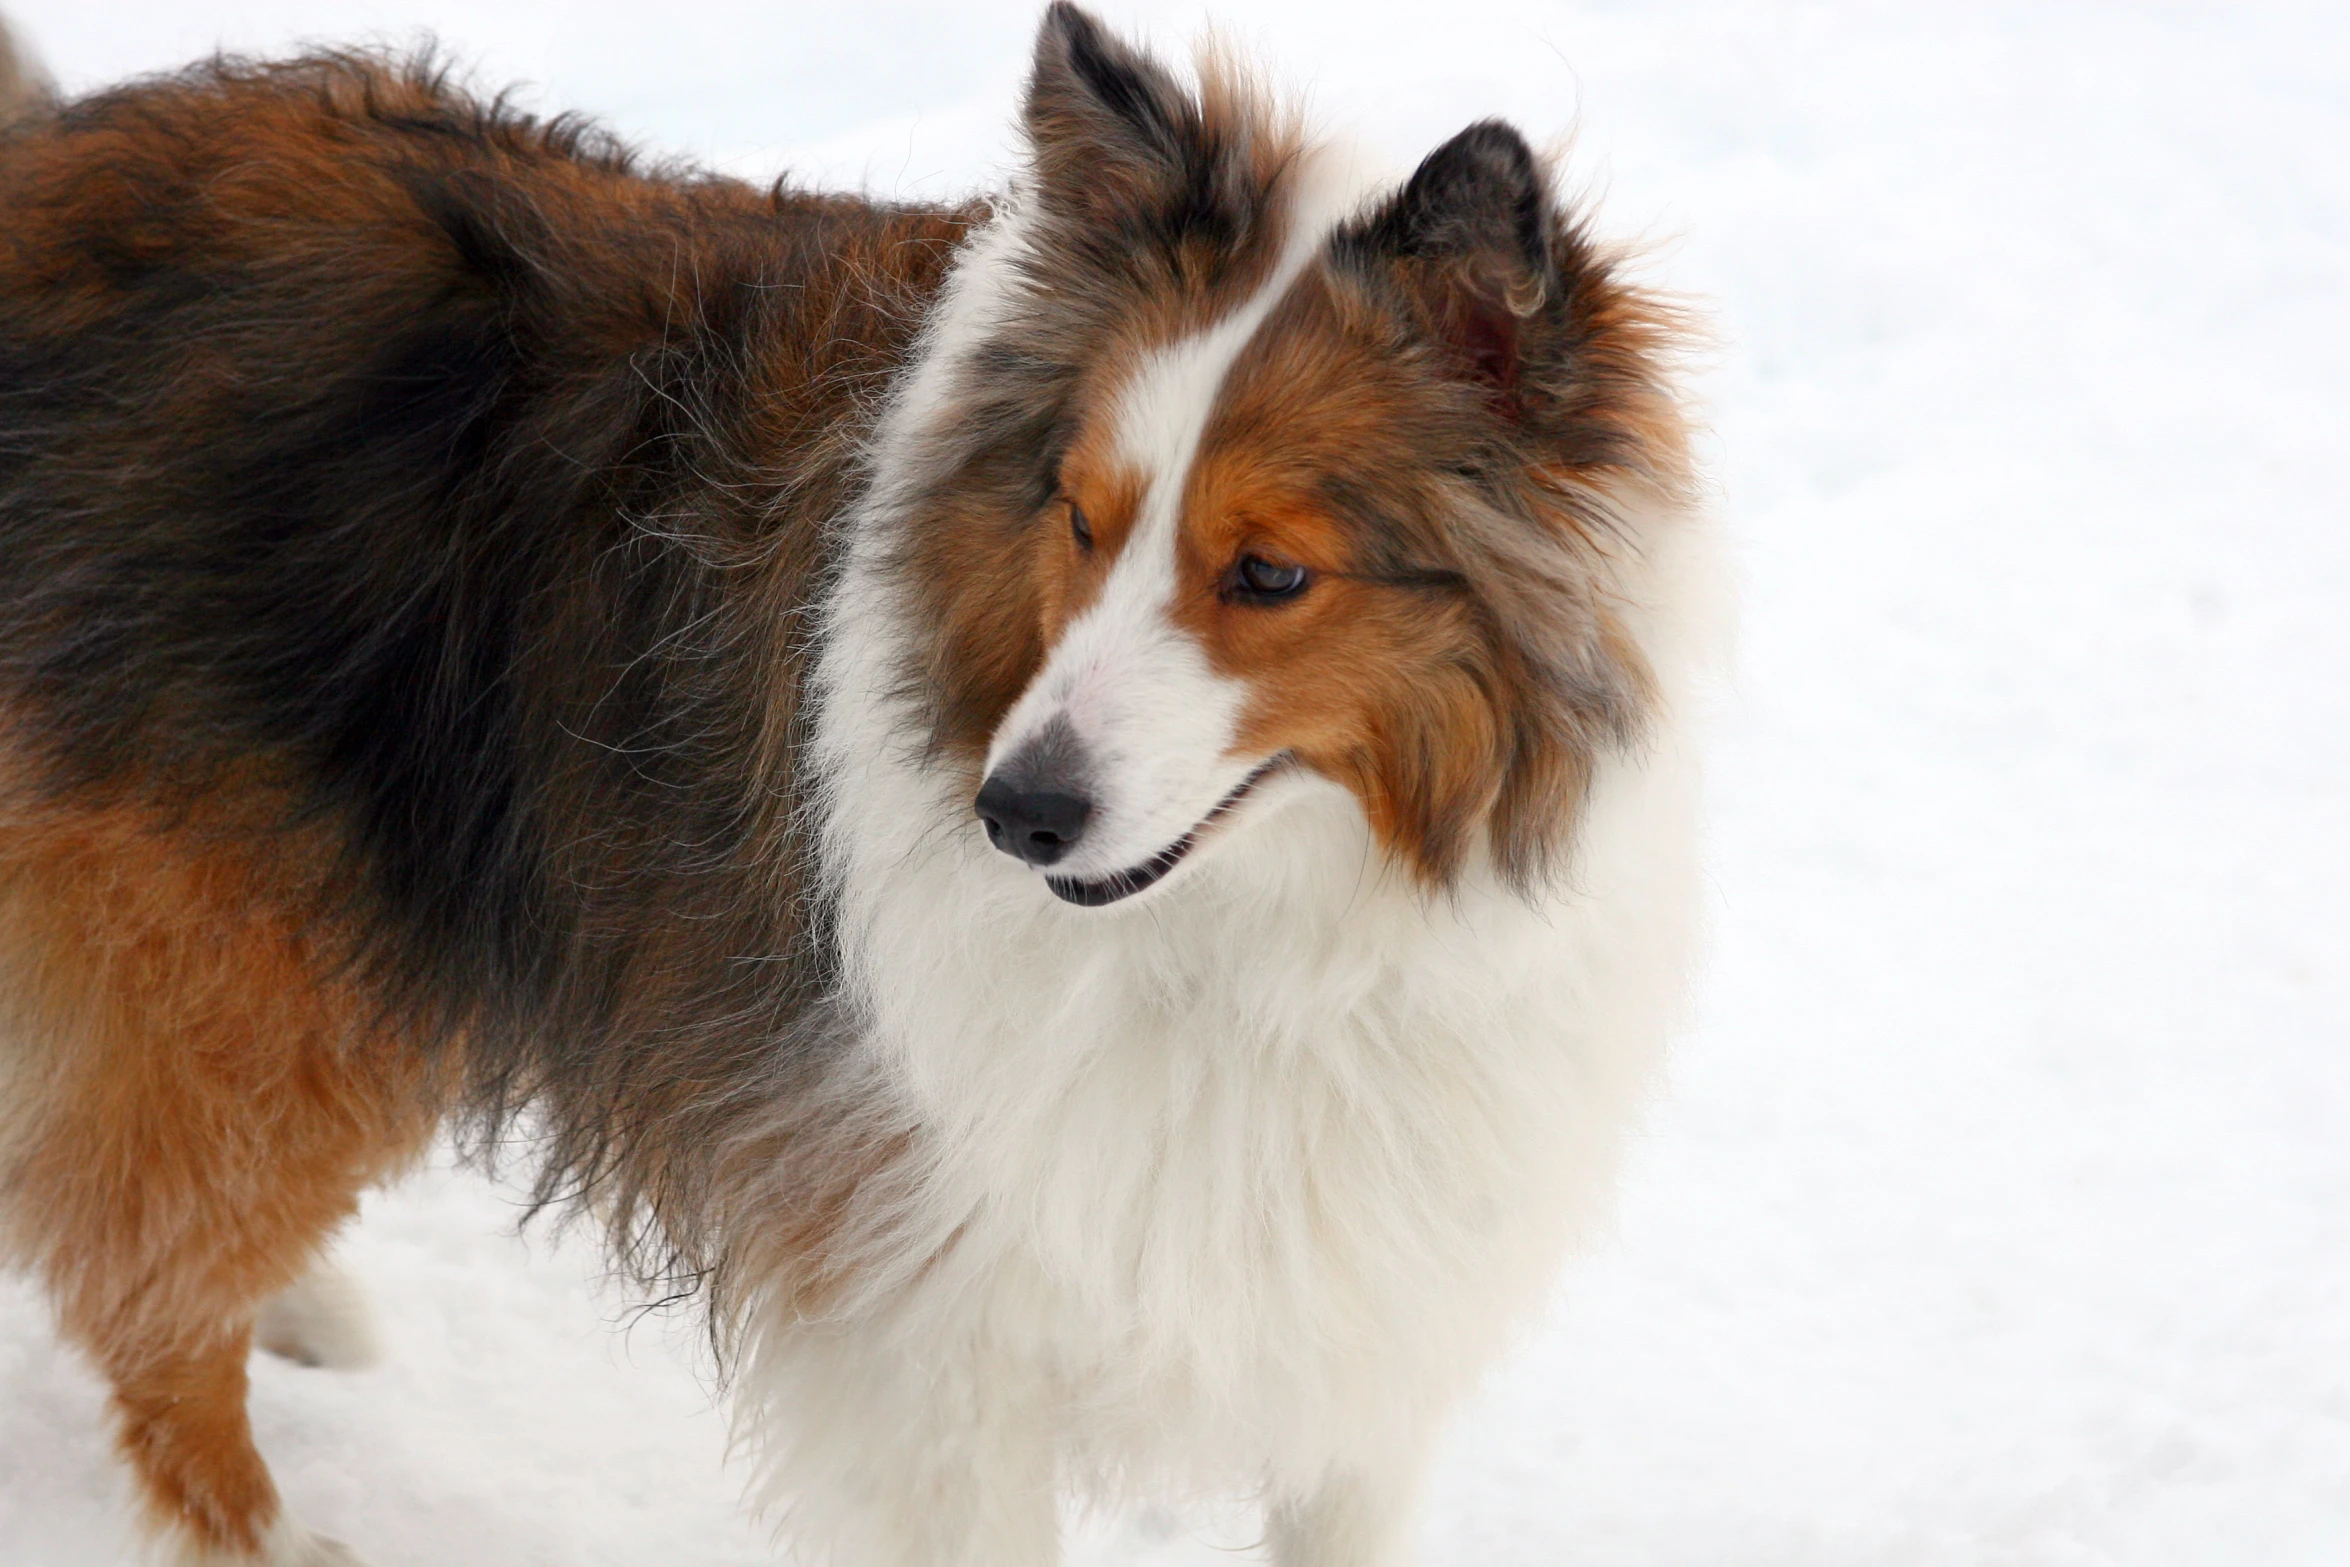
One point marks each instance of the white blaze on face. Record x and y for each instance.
(1153, 719)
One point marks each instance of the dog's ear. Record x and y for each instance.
(1469, 237)
(1112, 131)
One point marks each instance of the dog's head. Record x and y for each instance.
(1260, 468)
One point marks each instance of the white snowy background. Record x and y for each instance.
(1999, 1208)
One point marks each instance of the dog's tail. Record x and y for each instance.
(24, 87)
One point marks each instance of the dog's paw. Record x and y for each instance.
(324, 1320)
(286, 1544)
(316, 1550)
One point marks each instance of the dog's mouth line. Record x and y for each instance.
(1095, 893)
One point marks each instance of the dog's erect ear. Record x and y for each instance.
(1470, 236)
(1111, 129)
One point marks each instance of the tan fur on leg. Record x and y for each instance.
(207, 1111)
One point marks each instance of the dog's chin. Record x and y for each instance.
(1102, 891)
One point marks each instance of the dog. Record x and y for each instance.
(1079, 808)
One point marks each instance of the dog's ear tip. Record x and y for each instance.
(1483, 187)
(1492, 139)
(1062, 24)
(1471, 232)
(1107, 124)
(1071, 42)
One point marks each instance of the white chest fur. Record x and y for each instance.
(1232, 1169)
(1242, 1183)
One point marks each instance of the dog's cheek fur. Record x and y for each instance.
(972, 569)
(1540, 402)
(1391, 702)
(1459, 633)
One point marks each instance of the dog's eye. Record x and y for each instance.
(1263, 581)
(1079, 528)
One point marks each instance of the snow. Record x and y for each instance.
(1999, 1210)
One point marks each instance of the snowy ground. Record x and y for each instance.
(2000, 1209)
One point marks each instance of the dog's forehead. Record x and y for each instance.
(1164, 407)
(1177, 385)
(1299, 419)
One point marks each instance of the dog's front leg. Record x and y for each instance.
(908, 1455)
(1360, 1515)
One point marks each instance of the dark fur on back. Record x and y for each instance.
(467, 485)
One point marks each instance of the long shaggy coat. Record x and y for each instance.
(496, 635)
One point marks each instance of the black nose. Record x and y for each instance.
(1035, 825)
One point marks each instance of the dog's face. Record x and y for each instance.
(1260, 473)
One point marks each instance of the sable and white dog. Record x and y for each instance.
(1080, 806)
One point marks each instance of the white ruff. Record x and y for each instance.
(1237, 1190)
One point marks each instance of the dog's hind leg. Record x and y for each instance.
(181, 1408)
(1357, 1515)
(205, 1111)
(899, 1448)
